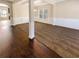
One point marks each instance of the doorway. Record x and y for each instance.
(4, 12)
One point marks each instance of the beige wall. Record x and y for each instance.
(66, 14)
(67, 9)
(20, 10)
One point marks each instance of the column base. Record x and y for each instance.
(31, 38)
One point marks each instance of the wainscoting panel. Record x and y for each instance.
(69, 23)
(20, 20)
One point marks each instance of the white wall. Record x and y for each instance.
(66, 14)
(20, 20)
(70, 23)
(20, 12)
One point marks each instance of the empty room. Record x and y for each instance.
(39, 28)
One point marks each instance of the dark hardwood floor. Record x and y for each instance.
(63, 41)
(14, 43)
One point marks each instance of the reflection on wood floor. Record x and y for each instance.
(63, 41)
(14, 42)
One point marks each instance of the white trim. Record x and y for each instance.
(20, 20)
(69, 23)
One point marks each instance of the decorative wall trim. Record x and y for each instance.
(70, 23)
(45, 21)
(20, 20)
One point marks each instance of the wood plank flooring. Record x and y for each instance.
(14, 43)
(63, 41)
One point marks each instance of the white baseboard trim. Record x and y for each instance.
(44, 21)
(69, 23)
(20, 20)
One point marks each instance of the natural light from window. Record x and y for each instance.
(3, 10)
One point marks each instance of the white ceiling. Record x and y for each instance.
(49, 1)
(9, 0)
(12, 0)
(40, 2)
(53, 1)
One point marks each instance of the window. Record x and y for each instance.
(3, 10)
(43, 14)
(3, 13)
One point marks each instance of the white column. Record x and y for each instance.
(31, 20)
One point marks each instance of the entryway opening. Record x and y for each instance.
(4, 12)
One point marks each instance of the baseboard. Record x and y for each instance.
(42, 23)
(20, 20)
(31, 38)
(69, 23)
